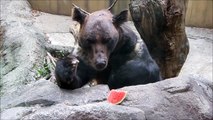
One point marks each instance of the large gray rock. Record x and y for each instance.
(21, 50)
(16, 113)
(176, 98)
(57, 30)
(50, 23)
(46, 93)
(172, 99)
(97, 111)
(61, 39)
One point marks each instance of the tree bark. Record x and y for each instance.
(161, 24)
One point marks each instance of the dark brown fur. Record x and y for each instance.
(108, 51)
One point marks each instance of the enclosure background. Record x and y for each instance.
(199, 12)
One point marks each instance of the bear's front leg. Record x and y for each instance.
(71, 73)
(134, 72)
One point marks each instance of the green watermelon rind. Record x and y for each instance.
(116, 103)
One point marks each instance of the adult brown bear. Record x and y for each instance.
(108, 54)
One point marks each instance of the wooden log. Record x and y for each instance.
(161, 24)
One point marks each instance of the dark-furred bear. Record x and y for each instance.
(109, 53)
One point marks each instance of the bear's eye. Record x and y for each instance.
(105, 41)
(111, 44)
(90, 41)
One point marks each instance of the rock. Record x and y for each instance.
(1, 35)
(16, 113)
(59, 24)
(75, 103)
(173, 99)
(46, 93)
(63, 43)
(96, 111)
(59, 36)
(61, 39)
(22, 46)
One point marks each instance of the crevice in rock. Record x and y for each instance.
(12, 68)
(27, 113)
(41, 102)
(180, 89)
(95, 101)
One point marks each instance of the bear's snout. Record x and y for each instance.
(100, 64)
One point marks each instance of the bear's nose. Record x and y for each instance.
(101, 65)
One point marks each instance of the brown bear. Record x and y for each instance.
(107, 53)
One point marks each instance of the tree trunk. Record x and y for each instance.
(161, 24)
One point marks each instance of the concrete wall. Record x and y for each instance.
(199, 13)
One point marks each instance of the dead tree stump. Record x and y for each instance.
(161, 24)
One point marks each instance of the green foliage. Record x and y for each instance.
(44, 70)
(59, 54)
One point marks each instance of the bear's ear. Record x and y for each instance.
(120, 18)
(78, 15)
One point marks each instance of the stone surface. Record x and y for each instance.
(97, 111)
(22, 44)
(59, 23)
(172, 99)
(61, 39)
(46, 93)
(57, 31)
(176, 98)
(16, 113)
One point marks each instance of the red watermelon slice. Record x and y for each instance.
(116, 96)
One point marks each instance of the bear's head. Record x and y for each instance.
(99, 34)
